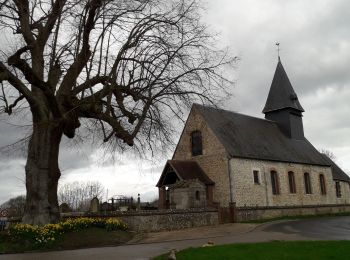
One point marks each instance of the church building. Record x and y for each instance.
(226, 159)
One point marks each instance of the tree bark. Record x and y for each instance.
(42, 174)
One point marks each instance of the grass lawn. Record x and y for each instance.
(2, 246)
(91, 237)
(298, 250)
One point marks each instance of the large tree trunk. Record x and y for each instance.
(42, 174)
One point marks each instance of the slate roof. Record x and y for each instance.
(282, 94)
(250, 137)
(338, 173)
(185, 170)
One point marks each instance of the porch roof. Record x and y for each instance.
(184, 170)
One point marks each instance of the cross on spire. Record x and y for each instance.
(278, 50)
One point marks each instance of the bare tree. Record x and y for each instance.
(328, 153)
(15, 206)
(122, 68)
(79, 194)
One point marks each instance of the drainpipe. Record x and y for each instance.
(230, 178)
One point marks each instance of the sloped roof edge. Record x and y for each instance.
(250, 137)
(337, 172)
(185, 170)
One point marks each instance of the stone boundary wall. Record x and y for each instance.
(257, 213)
(159, 220)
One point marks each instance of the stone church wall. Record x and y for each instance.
(345, 191)
(152, 221)
(256, 213)
(247, 193)
(187, 195)
(213, 161)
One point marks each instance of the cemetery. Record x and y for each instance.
(144, 217)
(112, 222)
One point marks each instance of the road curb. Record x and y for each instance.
(266, 224)
(197, 238)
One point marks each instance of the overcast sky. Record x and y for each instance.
(315, 52)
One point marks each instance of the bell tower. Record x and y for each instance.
(282, 105)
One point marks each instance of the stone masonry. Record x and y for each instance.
(247, 193)
(187, 194)
(214, 160)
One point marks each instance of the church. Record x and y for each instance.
(230, 160)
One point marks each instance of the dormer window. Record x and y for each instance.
(293, 97)
(196, 143)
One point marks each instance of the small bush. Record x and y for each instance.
(35, 235)
(43, 236)
(115, 224)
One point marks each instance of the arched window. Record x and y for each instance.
(338, 189)
(307, 183)
(196, 143)
(198, 197)
(291, 179)
(274, 183)
(322, 185)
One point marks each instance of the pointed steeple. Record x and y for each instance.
(282, 94)
(282, 105)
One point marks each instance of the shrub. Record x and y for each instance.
(35, 235)
(41, 236)
(115, 224)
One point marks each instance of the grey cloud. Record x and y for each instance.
(315, 51)
(11, 179)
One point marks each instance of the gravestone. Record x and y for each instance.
(123, 208)
(64, 208)
(3, 219)
(138, 202)
(95, 205)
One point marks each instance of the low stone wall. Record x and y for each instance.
(256, 213)
(150, 221)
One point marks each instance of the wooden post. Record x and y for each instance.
(210, 202)
(162, 198)
(233, 212)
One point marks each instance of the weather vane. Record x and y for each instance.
(278, 49)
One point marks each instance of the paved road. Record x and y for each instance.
(316, 229)
(337, 228)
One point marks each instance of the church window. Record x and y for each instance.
(291, 179)
(274, 183)
(198, 197)
(256, 177)
(338, 189)
(196, 142)
(307, 183)
(322, 185)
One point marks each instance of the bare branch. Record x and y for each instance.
(6, 75)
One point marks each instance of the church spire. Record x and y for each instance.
(282, 94)
(282, 105)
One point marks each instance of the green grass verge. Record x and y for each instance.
(87, 238)
(295, 250)
(2, 246)
(92, 237)
(2, 241)
(298, 217)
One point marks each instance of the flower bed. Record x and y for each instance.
(43, 236)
